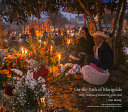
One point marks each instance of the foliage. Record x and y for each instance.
(20, 10)
(3, 80)
(42, 52)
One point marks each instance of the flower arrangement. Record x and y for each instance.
(8, 63)
(36, 63)
(28, 90)
(43, 52)
(26, 94)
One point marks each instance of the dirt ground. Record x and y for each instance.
(68, 93)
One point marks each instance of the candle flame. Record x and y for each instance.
(69, 41)
(22, 50)
(59, 56)
(51, 48)
(25, 51)
(42, 100)
(44, 42)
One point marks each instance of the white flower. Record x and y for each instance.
(29, 75)
(35, 69)
(41, 80)
(17, 71)
(33, 83)
(27, 83)
(33, 63)
(22, 77)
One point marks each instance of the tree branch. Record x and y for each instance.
(88, 13)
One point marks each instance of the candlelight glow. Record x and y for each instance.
(51, 48)
(68, 41)
(72, 34)
(25, 51)
(42, 100)
(22, 50)
(39, 41)
(59, 56)
(44, 42)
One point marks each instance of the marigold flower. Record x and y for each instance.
(14, 65)
(7, 54)
(4, 71)
(9, 75)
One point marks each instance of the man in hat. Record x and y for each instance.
(103, 56)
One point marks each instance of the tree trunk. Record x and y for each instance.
(122, 19)
(1, 39)
(86, 21)
(87, 11)
(114, 29)
(118, 46)
(116, 18)
(99, 15)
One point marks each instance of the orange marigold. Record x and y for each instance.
(9, 75)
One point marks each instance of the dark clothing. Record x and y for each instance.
(83, 50)
(86, 45)
(105, 57)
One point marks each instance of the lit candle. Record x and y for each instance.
(42, 100)
(40, 42)
(69, 41)
(59, 56)
(25, 51)
(51, 48)
(22, 51)
(44, 42)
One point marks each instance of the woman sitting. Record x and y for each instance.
(84, 48)
(97, 72)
